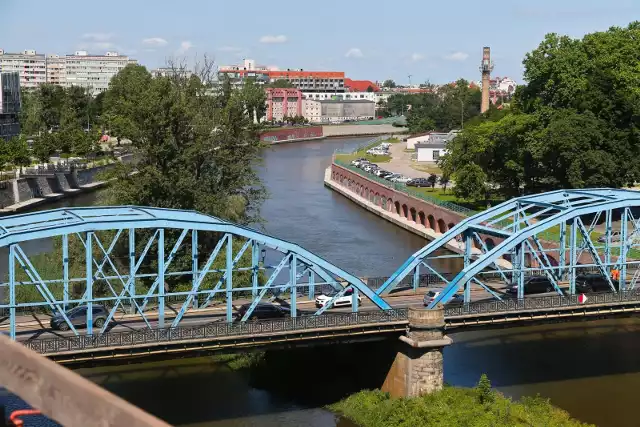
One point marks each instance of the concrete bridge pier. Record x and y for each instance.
(418, 366)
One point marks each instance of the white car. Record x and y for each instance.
(343, 301)
(401, 179)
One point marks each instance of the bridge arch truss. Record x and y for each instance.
(139, 260)
(559, 234)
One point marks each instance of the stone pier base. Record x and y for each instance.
(418, 365)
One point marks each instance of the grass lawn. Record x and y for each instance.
(428, 168)
(362, 153)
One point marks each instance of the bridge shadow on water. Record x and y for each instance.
(203, 390)
(527, 355)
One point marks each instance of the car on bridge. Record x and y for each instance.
(263, 311)
(78, 317)
(343, 301)
(430, 296)
(532, 285)
(586, 283)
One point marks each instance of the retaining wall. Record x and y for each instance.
(419, 216)
(428, 215)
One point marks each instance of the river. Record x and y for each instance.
(591, 369)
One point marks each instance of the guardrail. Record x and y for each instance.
(407, 190)
(300, 324)
(541, 303)
(212, 330)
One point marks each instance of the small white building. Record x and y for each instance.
(429, 138)
(430, 151)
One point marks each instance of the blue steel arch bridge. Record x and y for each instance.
(135, 261)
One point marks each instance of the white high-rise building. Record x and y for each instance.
(31, 67)
(80, 69)
(56, 70)
(93, 71)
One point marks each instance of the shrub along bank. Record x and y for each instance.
(453, 406)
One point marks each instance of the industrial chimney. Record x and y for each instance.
(485, 68)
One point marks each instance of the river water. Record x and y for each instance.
(591, 369)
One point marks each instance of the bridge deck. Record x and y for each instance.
(219, 336)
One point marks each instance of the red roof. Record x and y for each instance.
(360, 85)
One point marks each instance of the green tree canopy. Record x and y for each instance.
(573, 125)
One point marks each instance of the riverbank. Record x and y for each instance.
(48, 186)
(420, 218)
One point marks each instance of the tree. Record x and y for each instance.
(19, 154)
(390, 84)
(485, 394)
(470, 183)
(255, 99)
(43, 146)
(444, 181)
(370, 89)
(197, 150)
(432, 180)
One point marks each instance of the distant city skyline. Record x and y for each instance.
(431, 42)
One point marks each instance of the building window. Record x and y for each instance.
(436, 154)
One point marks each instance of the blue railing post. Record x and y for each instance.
(132, 268)
(89, 291)
(194, 265)
(293, 280)
(12, 291)
(65, 271)
(229, 277)
(161, 284)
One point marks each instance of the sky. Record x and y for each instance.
(435, 41)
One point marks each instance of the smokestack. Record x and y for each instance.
(485, 68)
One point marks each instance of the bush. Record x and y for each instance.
(452, 406)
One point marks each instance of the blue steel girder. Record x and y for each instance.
(517, 221)
(601, 203)
(89, 222)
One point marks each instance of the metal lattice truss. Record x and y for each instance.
(124, 258)
(556, 234)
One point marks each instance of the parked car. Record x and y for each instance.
(78, 317)
(615, 237)
(418, 182)
(392, 176)
(343, 301)
(430, 296)
(532, 285)
(594, 283)
(363, 163)
(358, 162)
(401, 179)
(264, 310)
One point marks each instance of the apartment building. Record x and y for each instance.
(30, 66)
(307, 81)
(10, 104)
(283, 103)
(338, 111)
(56, 70)
(80, 69)
(93, 72)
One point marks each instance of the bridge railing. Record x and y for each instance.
(407, 190)
(211, 331)
(541, 303)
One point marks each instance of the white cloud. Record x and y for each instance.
(354, 52)
(457, 56)
(273, 39)
(97, 37)
(185, 46)
(154, 42)
(415, 57)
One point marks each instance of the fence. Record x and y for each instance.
(402, 188)
(213, 330)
